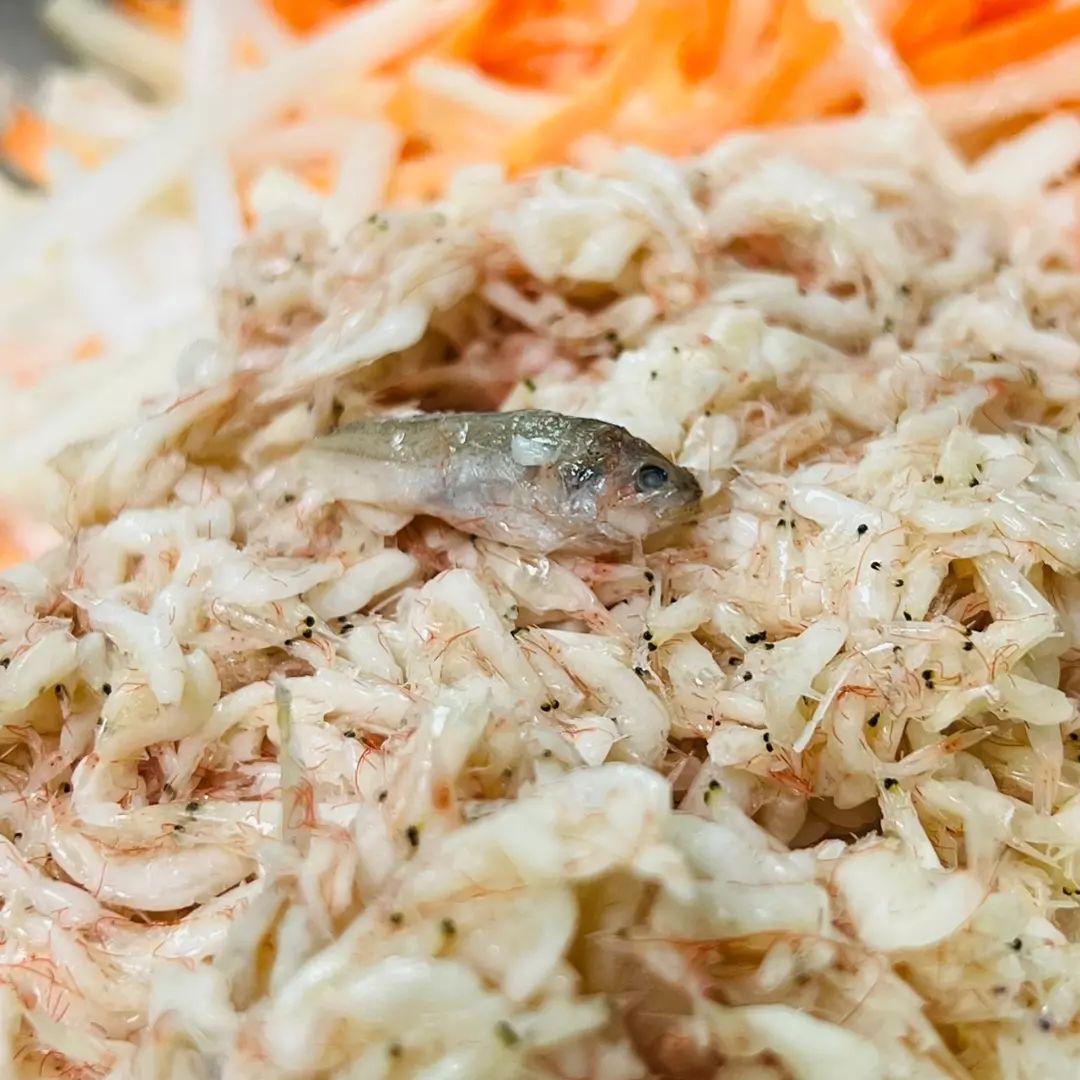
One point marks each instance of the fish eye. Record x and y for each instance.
(651, 478)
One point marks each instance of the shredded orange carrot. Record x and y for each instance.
(997, 45)
(927, 22)
(539, 43)
(25, 142)
(666, 74)
(462, 40)
(657, 72)
(307, 15)
(803, 43)
(628, 69)
(996, 9)
(166, 15)
(700, 52)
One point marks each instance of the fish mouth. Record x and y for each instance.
(683, 511)
(690, 490)
(685, 504)
(638, 520)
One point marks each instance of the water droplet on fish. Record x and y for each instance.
(537, 570)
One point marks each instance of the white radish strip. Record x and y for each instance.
(885, 82)
(324, 135)
(1018, 88)
(366, 165)
(217, 206)
(1018, 169)
(255, 21)
(106, 297)
(466, 86)
(103, 34)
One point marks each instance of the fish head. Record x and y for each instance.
(630, 487)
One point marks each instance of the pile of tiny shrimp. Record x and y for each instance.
(301, 788)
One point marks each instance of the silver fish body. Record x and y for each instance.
(533, 479)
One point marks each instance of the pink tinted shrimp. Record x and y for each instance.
(167, 875)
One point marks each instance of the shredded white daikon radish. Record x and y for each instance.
(107, 37)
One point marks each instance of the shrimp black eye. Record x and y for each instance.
(651, 477)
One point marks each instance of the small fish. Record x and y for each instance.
(532, 479)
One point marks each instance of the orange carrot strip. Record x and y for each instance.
(803, 43)
(998, 9)
(164, 15)
(651, 76)
(299, 14)
(926, 22)
(307, 15)
(543, 43)
(1010, 41)
(461, 39)
(627, 70)
(26, 141)
(700, 53)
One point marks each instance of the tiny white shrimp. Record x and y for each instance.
(139, 947)
(165, 876)
(68, 905)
